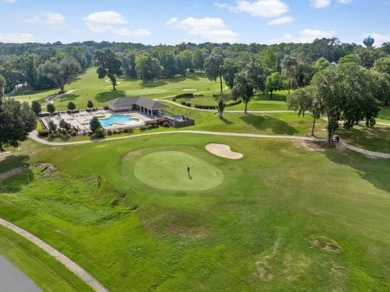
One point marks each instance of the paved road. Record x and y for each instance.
(12, 279)
(71, 265)
(34, 135)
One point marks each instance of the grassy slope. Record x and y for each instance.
(271, 203)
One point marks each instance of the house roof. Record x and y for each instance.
(138, 100)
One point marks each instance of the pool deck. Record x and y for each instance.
(77, 120)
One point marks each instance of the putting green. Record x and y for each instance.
(168, 170)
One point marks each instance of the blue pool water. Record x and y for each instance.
(127, 120)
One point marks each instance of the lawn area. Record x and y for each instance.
(282, 218)
(88, 87)
(384, 115)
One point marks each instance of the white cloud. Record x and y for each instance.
(111, 22)
(326, 3)
(9, 1)
(52, 20)
(208, 28)
(257, 8)
(305, 36)
(16, 37)
(281, 20)
(320, 3)
(379, 38)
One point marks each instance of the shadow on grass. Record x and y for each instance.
(225, 121)
(106, 96)
(17, 171)
(376, 171)
(265, 122)
(68, 97)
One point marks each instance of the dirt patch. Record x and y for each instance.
(47, 170)
(223, 150)
(4, 155)
(325, 244)
(12, 172)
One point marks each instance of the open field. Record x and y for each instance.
(289, 215)
(284, 216)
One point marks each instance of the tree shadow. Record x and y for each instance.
(107, 96)
(376, 171)
(225, 121)
(265, 122)
(19, 174)
(153, 84)
(68, 97)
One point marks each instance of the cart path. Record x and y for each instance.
(72, 266)
(34, 135)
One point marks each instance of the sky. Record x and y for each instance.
(172, 22)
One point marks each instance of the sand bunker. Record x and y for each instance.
(223, 150)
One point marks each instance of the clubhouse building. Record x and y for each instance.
(144, 105)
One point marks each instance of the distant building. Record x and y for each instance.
(368, 41)
(144, 105)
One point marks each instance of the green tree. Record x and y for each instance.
(185, 58)
(230, 69)
(61, 73)
(321, 64)
(198, 60)
(273, 83)
(147, 68)
(269, 59)
(108, 65)
(52, 126)
(335, 89)
(16, 120)
(243, 89)
(303, 100)
(170, 65)
(36, 107)
(94, 124)
(213, 66)
(64, 125)
(71, 106)
(50, 108)
(89, 104)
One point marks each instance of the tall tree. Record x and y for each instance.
(108, 65)
(243, 88)
(230, 69)
(36, 107)
(335, 88)
(50, 108)
(170, 65)
(61, 73)
(147, 67)
(303, 100)
(273, 82)
(185, 58)
(213, 66)
(198, 60)
(16, 120)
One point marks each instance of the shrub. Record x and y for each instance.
(100, 133)
(166, 125)
(43, 133)
(109, 132)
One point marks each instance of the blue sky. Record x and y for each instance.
(175, 21)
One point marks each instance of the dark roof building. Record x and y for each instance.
(139, 103)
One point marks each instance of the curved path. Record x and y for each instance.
(71, 265)
(34, 135)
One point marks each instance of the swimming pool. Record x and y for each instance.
(124, 120)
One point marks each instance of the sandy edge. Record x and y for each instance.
(223, 150)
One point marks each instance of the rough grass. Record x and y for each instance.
(250, 233)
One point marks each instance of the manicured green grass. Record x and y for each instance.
(44, 270)
(256, 231)
(166, 169)
(384, 115)
(89, 87)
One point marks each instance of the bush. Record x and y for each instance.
(184, 95)
(166, 125)
(100, 133)
(43, 133)
(109, 132)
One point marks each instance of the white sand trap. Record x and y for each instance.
(223, 150)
